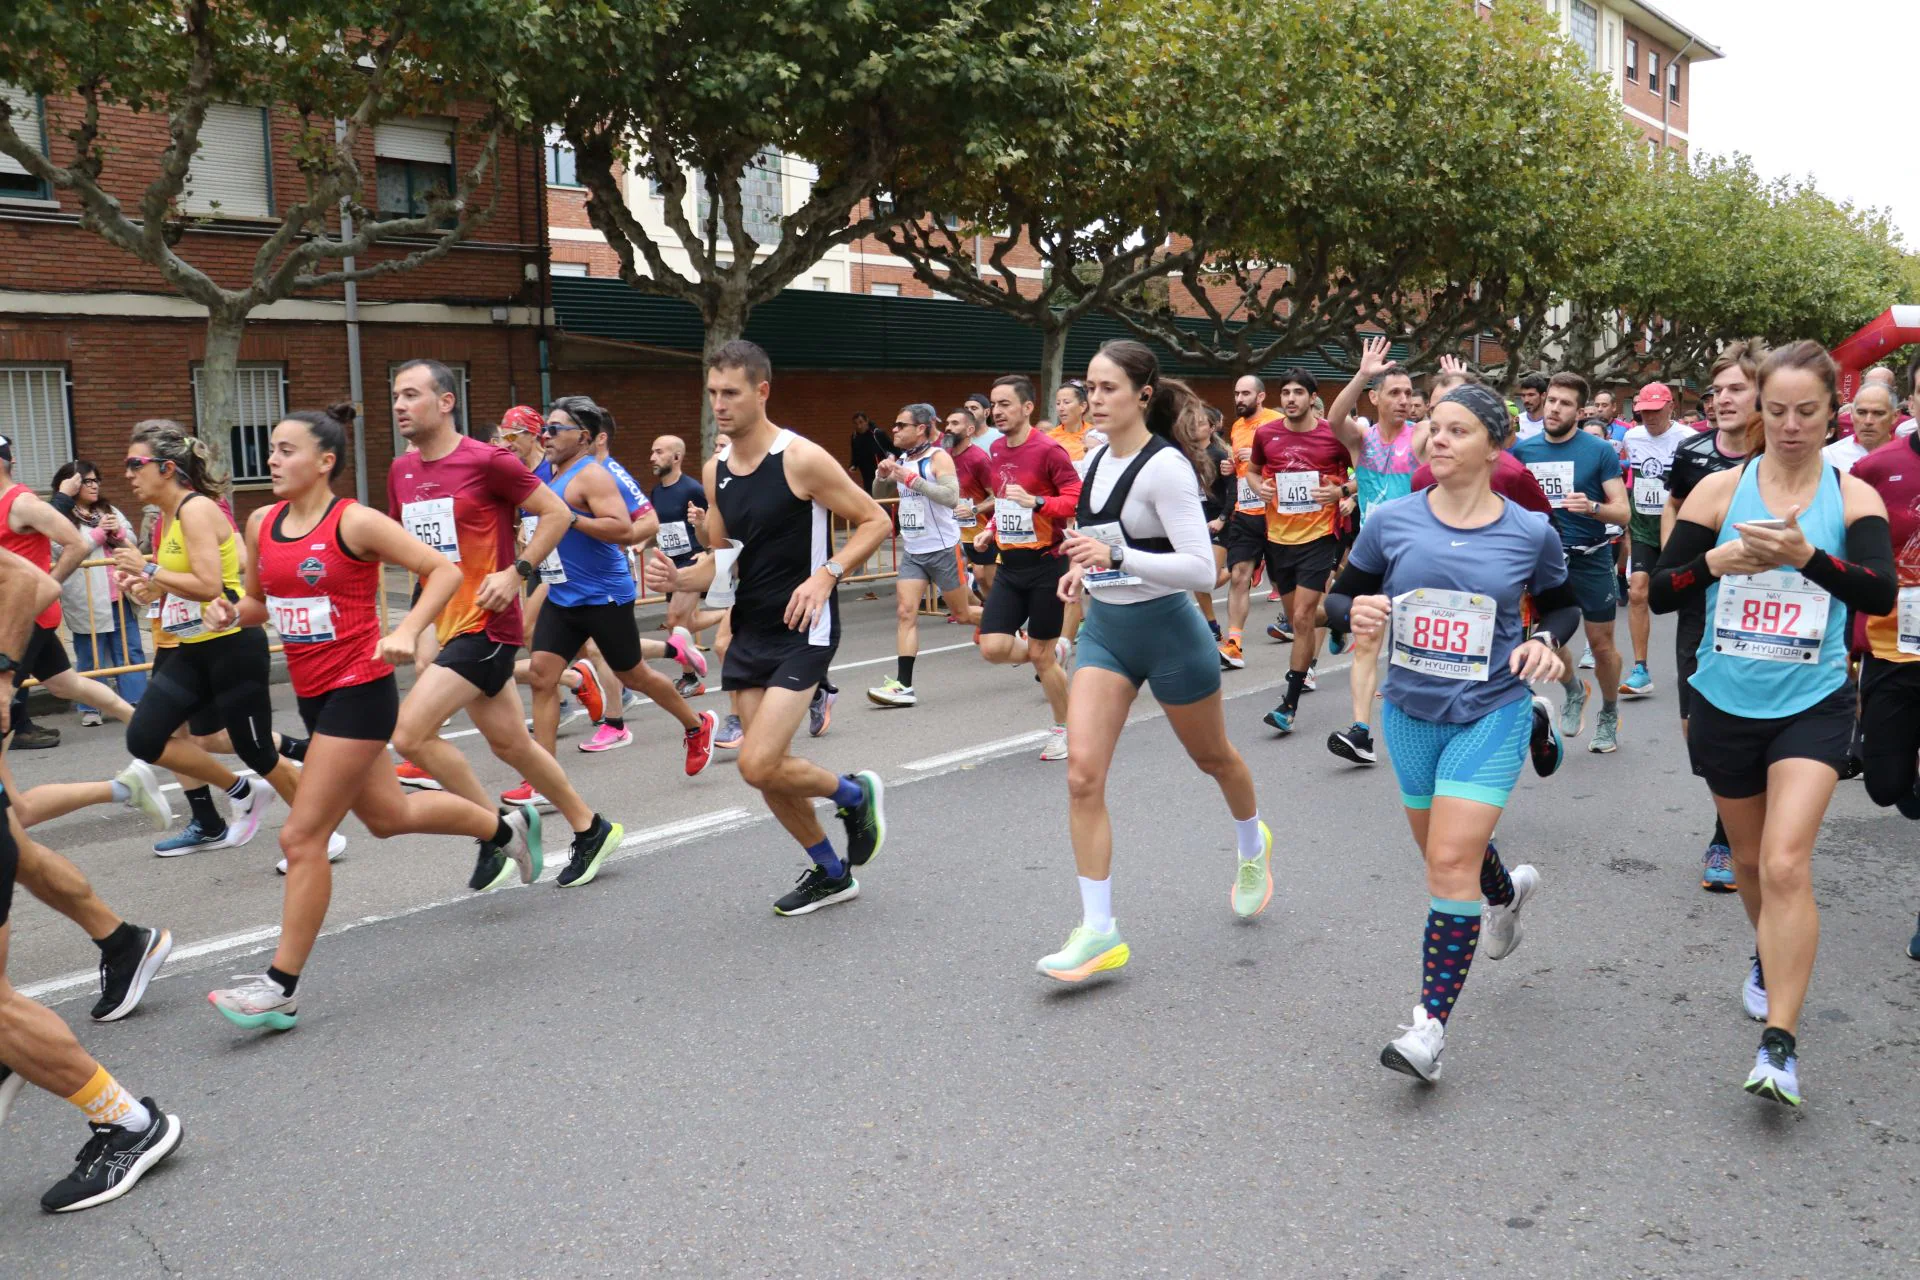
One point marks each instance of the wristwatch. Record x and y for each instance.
(7, 665)
(1119, 555)
(526, 571)
(834, 570)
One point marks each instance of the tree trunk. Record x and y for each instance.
(727, 322)
(219, 385)
(1053, 359)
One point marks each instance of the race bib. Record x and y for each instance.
(1448, 634)
(675, 539)
(181, 618)
(1110, 534)
(1909, 620)
(1777, 616)
(913, 513)
(1249, 502)
(1649, 495)
(552, 572)
(303, 619)
(1556, 481)
(1013, 525)
(432, 522)
(1293, 492)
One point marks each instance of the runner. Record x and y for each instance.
(459, 496)
(320, 589)
(1383, 469)
(680, 503)
(1302, 462)
(773, 496)
(130, 1136)
(1580, 475)
(1650, 449)
(1216, 504)
(1140, 548)
(1734, 404)
(1874, 411)
(1442, 574)
(1533, 399)
(1245, 531)
(590, 598)
(929, 538)
(1073, 434)
(1036, 492)
(973, 468)
(1764, 543)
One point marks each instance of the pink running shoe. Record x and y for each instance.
(608, 738)
(685, 652)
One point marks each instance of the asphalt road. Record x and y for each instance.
(656, 1074)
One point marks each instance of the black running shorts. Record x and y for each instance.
(775, 660)
(1308, 565)
(1026, 594)
(364, 712)
(1732, 753)
(565, 629)
(482, 662)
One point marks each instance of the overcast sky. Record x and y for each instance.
(1813, 90)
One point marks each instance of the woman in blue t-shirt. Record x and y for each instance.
(1441, 574)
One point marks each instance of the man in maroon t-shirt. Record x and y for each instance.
(972, 466)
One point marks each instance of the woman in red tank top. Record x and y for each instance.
(312, 569)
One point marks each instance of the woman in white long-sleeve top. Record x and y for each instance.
(1139, 553)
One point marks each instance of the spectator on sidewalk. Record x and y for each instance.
(870, 444)
(104, 625)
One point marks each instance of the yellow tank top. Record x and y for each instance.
(180, 617)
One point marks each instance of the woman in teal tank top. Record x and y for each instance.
(1781, 549)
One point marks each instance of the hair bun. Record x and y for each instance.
(343, 413)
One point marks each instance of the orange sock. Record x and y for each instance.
(103, 1101)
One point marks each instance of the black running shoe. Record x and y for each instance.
(1545, 745)
(867, 821)
(10, 1086)
(816, 889)
(112, 1161)
(1354, 744)
(124, 975)
(490, 868)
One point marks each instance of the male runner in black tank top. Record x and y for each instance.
(773, 494)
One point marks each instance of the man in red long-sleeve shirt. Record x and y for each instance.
(1036, 492)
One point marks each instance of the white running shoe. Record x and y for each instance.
(1500, 930)
(1753, 992)
(1063, 654)
(1056, 745)
(1417, 1052)
(243, 818)
(144, 794)
(336, 848)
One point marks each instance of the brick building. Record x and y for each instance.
(92, 340)
(1646, 56)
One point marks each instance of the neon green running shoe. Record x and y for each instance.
(1086, 954)
(1253, 886)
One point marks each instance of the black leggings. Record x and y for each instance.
(230, 673)
(1890, 729)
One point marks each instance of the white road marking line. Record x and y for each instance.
(985, 751)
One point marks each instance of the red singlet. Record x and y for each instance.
(321, 601)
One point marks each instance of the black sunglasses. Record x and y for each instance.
(134, 464)
(550, 429)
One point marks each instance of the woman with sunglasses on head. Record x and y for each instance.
(1440, 576)
(103, 625)
(1779, 548)
(313, 568)
(1138, 554)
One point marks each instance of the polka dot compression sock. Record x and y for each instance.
(1496, 886)
(1453, 933)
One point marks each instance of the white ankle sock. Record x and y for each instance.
(1096, 904)
(1252, 844)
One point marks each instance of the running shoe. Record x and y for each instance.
(1273, 596)
(820, 710)
(1253, 883)
(1573, 715)
(490, 869)
(1639, 682)
(1055, 747)
(1280, 719)
(90, 720)
(1280, 629)
(1086, 954)
(689, 685)
(1586, 661)
(816, 889)
(1753, 992)
(34, 737)
(1339, 642)
(1776, 1071)
(124, 975)
(591, 696)
(525, 794)
(257, 1002)
(589, 851)
(1500, 935)
(607, 738)
(412, 775)
(630, 701)
(1913, 946)
(866, 822)
(10, 1086)
(686, 651)
(1063, 654)
(113, 1162)
(1545, 744)
(192, 836)
(1716, 870)
(244, 815)
(1213, 625)
(144, 794)
(1312, 683)
(891, 693)
(1231, 658)
(1606, 733)
(700, 742)
(1353, 744)
(1417, 1052)
(728, 739)
(336, 849)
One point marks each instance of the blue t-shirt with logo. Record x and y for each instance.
(1594, 462)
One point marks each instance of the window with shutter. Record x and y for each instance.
(259, 403)
(30, 123)
(34, 419)
(412, 159)
(228, 175)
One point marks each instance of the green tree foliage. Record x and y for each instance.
(337, 69)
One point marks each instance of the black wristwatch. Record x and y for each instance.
(1117, 555)
(526, 571)
(7, 665)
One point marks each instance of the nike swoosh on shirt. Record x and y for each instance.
(1456, 544)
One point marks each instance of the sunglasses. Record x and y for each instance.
(909, 423)
(134, 464)
(548, 430)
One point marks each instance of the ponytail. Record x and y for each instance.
(191, 456)
(1179, 415)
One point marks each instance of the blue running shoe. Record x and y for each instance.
(193, 836)
(1280, 629)
(1280, 719)
(1716, 870)
(1639, 682)
(1913, 947)
(1339, 642)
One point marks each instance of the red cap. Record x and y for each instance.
(1653, 396)
(521, 418)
